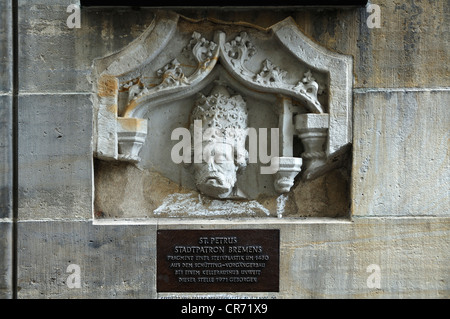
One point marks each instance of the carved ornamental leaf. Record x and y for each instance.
(270, 75)
(240, 50)
(201, 49)
(172, 75)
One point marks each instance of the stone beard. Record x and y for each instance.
(223, 127)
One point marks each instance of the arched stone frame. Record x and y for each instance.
(120, 131)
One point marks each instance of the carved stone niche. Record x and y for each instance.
(207, 118)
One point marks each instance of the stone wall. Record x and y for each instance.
(6, 150)
(399, 173)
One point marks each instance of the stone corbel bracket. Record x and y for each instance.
(312, 129)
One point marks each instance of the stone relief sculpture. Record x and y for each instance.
(240, 50)
(171, 75)
(202, 50)
(223, 120)
(307, 87)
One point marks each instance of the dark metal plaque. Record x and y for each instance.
(244, 260)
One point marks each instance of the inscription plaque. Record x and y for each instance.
(244, 260)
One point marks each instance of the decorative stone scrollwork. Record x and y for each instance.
(220, 110)
(133, 87)
(201, 49)
(270, 75)
(128, 84)
(308, 85)
(172, 75)
(240, 50)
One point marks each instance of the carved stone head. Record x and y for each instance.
(223, 120)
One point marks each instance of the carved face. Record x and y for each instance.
(216, 175)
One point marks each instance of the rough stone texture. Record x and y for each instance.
(6, 196)
(123, 191)
(401, 153)
(330, 261)
(6, 157)
(6, 266)
(409, 50)
(115, 261)
(55, 174)
(400, 158)
(55, 58)
(318, 259)
(6, 110)
(6, 46)
(6, 150)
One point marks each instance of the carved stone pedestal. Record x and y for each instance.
(288, 168)
(131, 134)
(312, 129)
